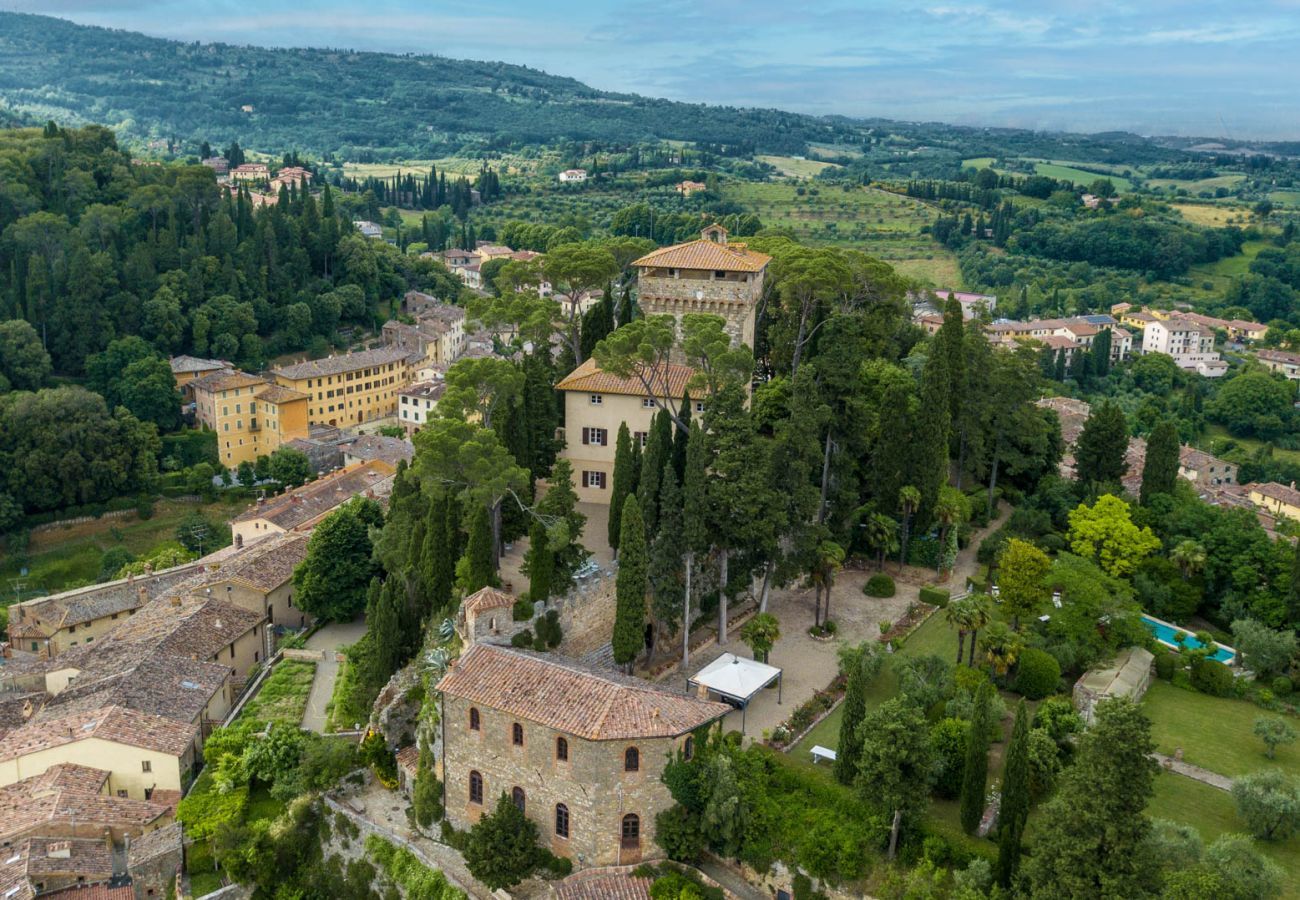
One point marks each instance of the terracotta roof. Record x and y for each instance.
(1191, 458)
(154, 844)
(86, 857)
(425, 390)
(379, 446)
(1280, 492)
(86, 604)
(159, 684)
(266, 564)
(226, 381)
(93, 892)
(598, 885)
(68, 794)
(564, 695)
(487, 598)
(197, 627)
(1279, 356)
(314, 499)
(348, 362)
(409, 758)
(275, 393)
(707, 255)
(669, 381)
(184, 363)
(113, 723)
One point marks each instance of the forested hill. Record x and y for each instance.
(358, 104)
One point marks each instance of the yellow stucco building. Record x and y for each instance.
(352, 388)
(251, 417)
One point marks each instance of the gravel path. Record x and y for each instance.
(328, 640)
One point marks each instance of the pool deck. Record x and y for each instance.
(1193, 642)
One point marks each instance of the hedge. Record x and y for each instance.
(879, 585)
(1212, 677)
(934, 596)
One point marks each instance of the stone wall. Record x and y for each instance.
(734, 300)
(587, 615)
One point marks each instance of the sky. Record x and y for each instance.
(1210, 68)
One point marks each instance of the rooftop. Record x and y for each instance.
(181, 364)
(159, 684)
(111, 723)
(706, 254)
(1274, 491)
(425, 390)
(487, 598)
(275, 393)
(379, 446)
(86, 604)
(669, 381)
(568, 697)
(314, 499)
(148, 846)
(192, 626)
(266, 564)
(347, 362)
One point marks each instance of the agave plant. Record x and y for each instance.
(437, 660)
(446, 629)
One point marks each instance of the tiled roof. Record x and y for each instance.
(408, 758)
(96, 601)
(181, 364)
(379, 446)
(93, 892)
(159, 684)
(275, 393)
(69, 794)
(487, 598)
(113, 723)
(707, 255)
(1280, 492)
(198, 627)
(568, 697)
(266, 564)
(315, 499)
(425, 390)
(348, 362)
(598, 885)
(86, 857)
(669, 381)
(1191, 458)
(1279, 356)
(226, 380)
(154, 844)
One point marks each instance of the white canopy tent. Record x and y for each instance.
(737, 680)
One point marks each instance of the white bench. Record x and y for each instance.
(819, 753)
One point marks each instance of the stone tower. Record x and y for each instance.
(710, 275)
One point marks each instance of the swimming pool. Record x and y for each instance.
(1165, 634)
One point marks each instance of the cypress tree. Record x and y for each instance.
(681, 435)
(695, 530)
(626, 307)
(948, 342)
(1101, 353)
(658, 452)
(439, 552)
(622, 486)
(855, 710)
(665, 573)
(1160, 473)
(975, 777)
(475, 570)
(386, 628)
(1102, 446)
(630, 587)
(1015, 798)
(1293, 592)
(929, 444)
(541, 563)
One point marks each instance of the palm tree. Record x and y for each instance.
(959, 616)
(981, 613)
(909, 498)
(1002, 647)
(880, 533)
(761, 633)
(1190, 557)
(828, 558)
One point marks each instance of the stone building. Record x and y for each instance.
(580, 751)
(710, 275)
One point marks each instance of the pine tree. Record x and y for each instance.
(1100, 455)
(475, 569)
(622, 486)
(1014, 811)
(665, 574)
(855, 710)
(630, 587)
(1160, 473)
(975, 777)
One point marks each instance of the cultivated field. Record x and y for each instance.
(796, 166)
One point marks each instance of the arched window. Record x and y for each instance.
(517, 797)
(631, 760)
(631, 830)
(561, 820)
(473, 719)
(475, 787)
(561, 749)
(688, 749)
(517, 734)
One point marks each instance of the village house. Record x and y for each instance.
(1281, 362)
(573, 176)
(1064, 335)
(364, 448)
(438, 335)
(368, 229)
(302, 507)
(1279, 499)
(418, 402)
(250, 172)
(251, 416)
(352, 388)
(596, 403)
(686, 188)
(1202, 469)
(1189, 343)
(187, 369)
(219, 165)
(260, 579)
(579, 751)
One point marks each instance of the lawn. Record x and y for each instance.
(61, 558)
(796, 166)
(1065, 171)
(1212, 812)
(1204, 184)
(1212, 215)
(1215, 733)
(1285, 198)
(1216, 437)
(283, 695)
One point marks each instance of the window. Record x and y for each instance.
(640, 437)
(597, 399)
(561, 820)
(146, 766)
(631, 830)
(517, 798)
(593, 479)
(631, 760)
(648, 403)
(473, 719)
(699, 406)
(561, 749)
(122, 794)
(517, 734)
(719, 274)
(598, 437)
(475, 787)
(688, 749)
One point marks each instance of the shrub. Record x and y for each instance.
(1058, 718)
(522, 639)
(1212, 677)
(879, 585)
(1166, 663)
(991, 547)
(948, 738)
(522, 611)
(1282, 686)
(1037, 674)
(934, 596)
(549, 632)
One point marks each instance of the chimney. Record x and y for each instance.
(143, 594)
(176, 599)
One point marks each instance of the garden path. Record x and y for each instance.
(328, 639)
(1205, 776)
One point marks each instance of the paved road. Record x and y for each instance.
(328, 639)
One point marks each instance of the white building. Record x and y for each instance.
(1189, 343)
(573, 176)
(418, 403)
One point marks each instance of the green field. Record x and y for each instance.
(1222, 272)
(1216, 436)
(978, 162)
(796, 166)
(60, 558)
(1214, 733)
(1285, 198)
(1062, 170)
(885, 225)
(1212, 812)
(509, 164)
(1213, 214)
(1203, 184)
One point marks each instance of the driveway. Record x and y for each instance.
(328, 640)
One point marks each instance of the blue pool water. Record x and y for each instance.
(1165, 634)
